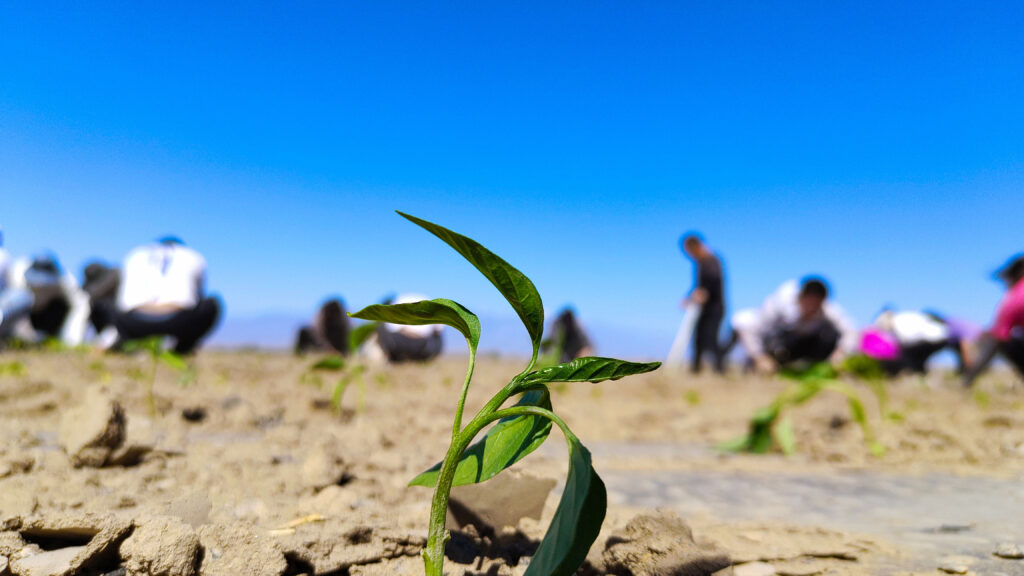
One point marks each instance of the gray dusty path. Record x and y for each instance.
(928, 516)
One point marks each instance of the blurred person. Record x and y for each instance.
(101, 284)
(796, 323)
(398, 343)
(916, 336)
(568, 338)
(328, 332)
(162, 293)
(15, 302)
(47, 301)
(1006, 336)
(709, 293)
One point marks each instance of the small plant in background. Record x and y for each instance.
(771, 428)
(348, 372)
(14, 368)
(520, 428)
(154, 347)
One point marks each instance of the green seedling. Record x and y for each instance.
(692, 397)
(518, 429)
(771, 428)
(14, 368)
(337, 364)
(981, 398)
(871, 373)
(154, 347)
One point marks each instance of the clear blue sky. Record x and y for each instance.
(880, 144)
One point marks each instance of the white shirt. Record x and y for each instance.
(165, 275)
(782, 308)
(912, 327)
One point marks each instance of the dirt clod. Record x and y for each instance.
(93, 430)
(161, 546)
(661, 544)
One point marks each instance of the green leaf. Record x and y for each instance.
(577, 520)
(588, 369)
(174, 361)
(507, 442)
(361, 334)
(513, 284)
(784, 435)
(438, 311)
(329, 364)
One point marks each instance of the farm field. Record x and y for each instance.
(247, 469)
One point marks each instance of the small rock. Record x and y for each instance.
(661, 544)
(161, 546)
(501, 501)
(58, 562)
(3, 566)
(194, 414)
(753, 569)
(93, 430)
(1009, 551)
(956, 564)
(100, 535)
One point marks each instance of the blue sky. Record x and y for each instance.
(881, 145)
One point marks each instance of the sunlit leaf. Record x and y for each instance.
(513, 284)
(588, 369)
(507, 442)
(438, 311)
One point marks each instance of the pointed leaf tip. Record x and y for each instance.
(517, 289)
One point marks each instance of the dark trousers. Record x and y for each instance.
(705, 339)
(913, 357)
(1013, 351)
(399, 347)
(329, 332)
(187, 327)
(50, 318)
(812, 341)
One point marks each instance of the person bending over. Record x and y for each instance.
(568, 338)
(709, 293)
(329, 331)
(101, 284)
(796, 323)
(163, 294)
(47, 301)
(915, 336)
(1006, 336)
(15, 299)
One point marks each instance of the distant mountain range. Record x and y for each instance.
(503, 335)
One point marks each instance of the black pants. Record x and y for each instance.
(705, 339)
(187, 327)
(50, 318)
(913, 357)
(399, 347)
(812, 341)
(1013, 351)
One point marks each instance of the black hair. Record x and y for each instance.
(814, 286)
(1013, 270)
(691, 239)
(171, 240)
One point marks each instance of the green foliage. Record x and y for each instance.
(13, 368)
(154, 347)
(361, 334)
(517, 430)
(981, 398)
(692, 397)
(768, 428)
(349, 373)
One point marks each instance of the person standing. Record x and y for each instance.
(709, 293)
